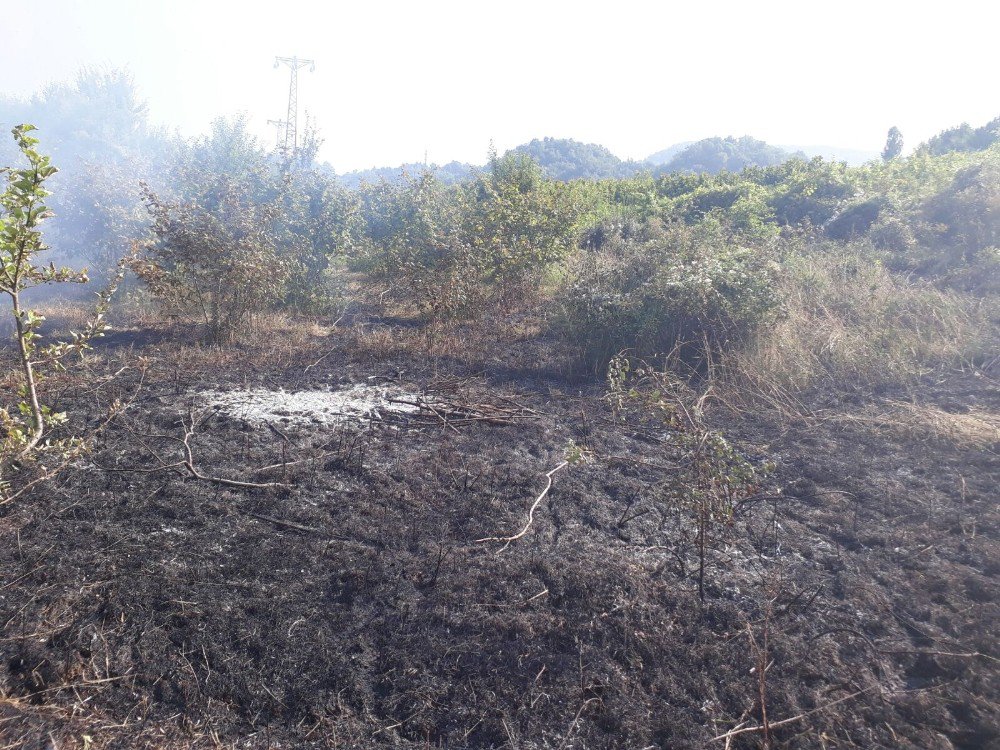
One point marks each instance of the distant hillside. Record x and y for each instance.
(853, 156)
(664, 156)
(567, 159)
(452, 172)
(713, 155)
(965, 138)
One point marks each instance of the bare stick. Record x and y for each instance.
(531, 513)
(280, 522)
(188, 463)
(732, 733)
(576, 719)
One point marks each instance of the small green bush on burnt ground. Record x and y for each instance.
(453, 249)
(705, 476)
(671, 287)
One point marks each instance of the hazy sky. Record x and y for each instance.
(394, 79)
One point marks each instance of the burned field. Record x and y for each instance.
(334, 567)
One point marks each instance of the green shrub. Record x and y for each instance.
(676, 287)
(415, 242)
(221, 263)
(452, 249)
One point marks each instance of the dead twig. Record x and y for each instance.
(531, 513)
(186, 465)
(279, 522)
(775, 724)
(576, 720)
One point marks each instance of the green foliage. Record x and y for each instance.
(452, 248)
(965, 138)
(672, 287)
(893, 144)
(223, 263)
(966, 214)
(320, 221)
(567, 159)
(519, 222)
(22, 211)
(452, 173)
(96, 127)
(713, 480)
(415, 241)
(238, 232)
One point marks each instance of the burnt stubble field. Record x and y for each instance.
(209, 576)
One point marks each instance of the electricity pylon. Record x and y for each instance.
(292, 118)
(279, 125)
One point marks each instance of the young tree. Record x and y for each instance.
(22, 210)
(216, 252)
(519, 222)
(893, 144)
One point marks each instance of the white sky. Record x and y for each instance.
(394, 79)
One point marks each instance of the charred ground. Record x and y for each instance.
(355, 608)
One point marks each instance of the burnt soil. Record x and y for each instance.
(354, 608)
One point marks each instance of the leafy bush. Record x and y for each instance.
(451, 249)
(238, 232)
(966, 214)
(676, 286)
(319, 222)
(855, 220)
(222, 263)
(415, 242)
(518, 223)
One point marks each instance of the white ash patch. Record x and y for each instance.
(353, 403)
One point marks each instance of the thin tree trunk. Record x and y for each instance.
(38, 422)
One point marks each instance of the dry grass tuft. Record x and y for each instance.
(848, 320)
(976, 428)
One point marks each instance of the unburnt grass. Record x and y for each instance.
(342, 596)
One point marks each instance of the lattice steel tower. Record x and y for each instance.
(279, 126)
(292, 118)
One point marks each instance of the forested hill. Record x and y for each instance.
(664, 156)
(568, 159)
(714, 155)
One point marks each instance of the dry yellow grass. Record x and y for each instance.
(976, 428)
(849, 320)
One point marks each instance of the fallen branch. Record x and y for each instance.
(279, 522)
(774, 724)
(531, 513)
(186, 465)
